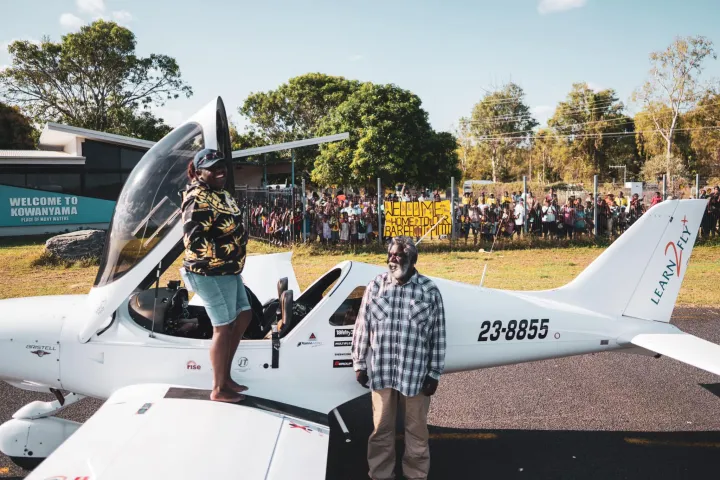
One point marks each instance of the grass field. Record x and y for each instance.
(531, 269)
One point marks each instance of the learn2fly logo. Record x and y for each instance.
(673, 255)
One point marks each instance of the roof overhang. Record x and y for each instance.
(290, 145)
(59, 135)
(39, 157)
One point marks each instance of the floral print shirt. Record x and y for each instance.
(213, 233)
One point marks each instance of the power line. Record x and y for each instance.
(590, 135)
(626, 120)
(512, 118)
(499, 119)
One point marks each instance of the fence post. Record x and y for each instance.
(452, 211)
(524, 199)
(380, 231)
(595, 203)
(697, 185)
(304, 210)
(664, 187)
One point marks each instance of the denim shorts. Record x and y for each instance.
(224, 296)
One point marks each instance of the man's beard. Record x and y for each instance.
(399, 271)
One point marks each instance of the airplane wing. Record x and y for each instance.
(683, 347)
(158, 431)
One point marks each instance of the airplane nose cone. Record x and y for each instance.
(30, 339)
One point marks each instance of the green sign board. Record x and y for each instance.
(27, 207)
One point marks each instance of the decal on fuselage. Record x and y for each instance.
(514, 330)
(673, 262)
(343, 332)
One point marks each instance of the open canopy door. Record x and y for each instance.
(146, 223)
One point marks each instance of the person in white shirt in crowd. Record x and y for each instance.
(549, 214)
(519, 216)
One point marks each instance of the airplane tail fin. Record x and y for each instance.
(640, 274)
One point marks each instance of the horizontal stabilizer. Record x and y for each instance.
(683, 347)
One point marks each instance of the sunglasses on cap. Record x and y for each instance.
(207, 158)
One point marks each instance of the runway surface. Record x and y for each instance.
(603, 416)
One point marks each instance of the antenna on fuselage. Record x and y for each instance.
(157, 285)
(482, 279)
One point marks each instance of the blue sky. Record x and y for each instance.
(448, 53)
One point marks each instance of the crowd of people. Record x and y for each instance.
(709, 227)
(352, 219)
(486, 216)
(329, 219)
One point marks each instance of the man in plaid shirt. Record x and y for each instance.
(400, 332)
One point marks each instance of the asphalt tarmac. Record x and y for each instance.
(602, 416)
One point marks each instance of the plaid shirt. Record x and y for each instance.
(402, 330)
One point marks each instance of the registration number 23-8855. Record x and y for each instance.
(514, 330)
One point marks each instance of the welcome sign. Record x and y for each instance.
(415, 219)
(27, 207)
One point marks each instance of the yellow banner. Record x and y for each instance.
(415, 219)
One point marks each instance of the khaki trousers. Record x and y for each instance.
(381, 444)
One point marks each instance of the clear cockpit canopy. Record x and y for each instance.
(149, 204)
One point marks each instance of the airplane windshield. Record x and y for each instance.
(149, 204)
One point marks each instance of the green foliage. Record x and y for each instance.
(294, 111)
(591, 126)
(673, 85)
(654, 168)
(501, 122)
(706, 142)
(390, 138)
(142, 125)
(92, 79)
(16, 132)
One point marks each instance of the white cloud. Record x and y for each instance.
(71, 22)
(595, 86)
(122, 17)
(356, 58)
(549, 6)
(91, 6)
(4, 67)
(542, 112)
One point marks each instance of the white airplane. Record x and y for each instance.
(145, 350)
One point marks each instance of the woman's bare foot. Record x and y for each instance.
(233, 386)
(222, 395)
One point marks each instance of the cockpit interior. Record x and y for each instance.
(167, 310)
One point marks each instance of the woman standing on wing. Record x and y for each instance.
(215, 247)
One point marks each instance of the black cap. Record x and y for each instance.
(206, 158)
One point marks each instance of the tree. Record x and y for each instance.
(91, 79)
(705, 136)
(464, 145)
(142, 125)
(594, 131)
(295, 110)
(501, 120)
(654, 168)
(390, 138)
(674, 83)
(544, 147)
(16, 132)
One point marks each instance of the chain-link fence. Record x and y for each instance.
(270, 214)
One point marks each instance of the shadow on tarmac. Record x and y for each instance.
(533, 454)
